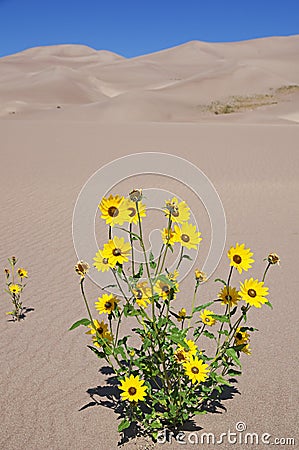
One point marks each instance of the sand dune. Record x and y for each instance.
(198, 101)
(169, 85)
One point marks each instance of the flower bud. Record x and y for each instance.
(136, 195)
(273, 258)
(82, 268)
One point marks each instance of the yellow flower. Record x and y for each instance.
(240, 257)
(142, 294)
(179, 212)
(106, 304)
(168, 236)
(133, 389)
(229, 296)
(246, 349)
(254, 292)
(273, 258)
(206, 317)
(187, 235)
(131, 211)
(116, 251)
(166, 290)
(113, 210)
(100, 329)
(14, 288)
(181, 314)
(191, 351)
(241, 337)
(81, 268)
(196, 370)
(101, 263)
(200, 276)
(22, 273)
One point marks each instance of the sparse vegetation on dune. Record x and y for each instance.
(239, 103)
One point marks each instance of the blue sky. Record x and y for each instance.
(134, 27)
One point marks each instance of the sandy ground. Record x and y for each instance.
(252, 159)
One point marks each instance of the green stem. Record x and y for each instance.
(85, 300)
(159, 259)
(119, 286)
(193, 302)
(181, 258)
(132, 250)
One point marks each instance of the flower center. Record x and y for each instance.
(195, 370)
(139, 294)
(180, 356)
(105, 261)
(237, 259)
(185, 237)
(100, 330)
(132, 390)
(207, 319)
(108, 305)
(251, 293)
(132, 212)
(116, 252)
(228, 297)
(113, 211)
(239, 336)
(165, 289)
(175, 211)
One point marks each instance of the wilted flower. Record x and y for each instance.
(181, 314)
(13, 260)
(82, 268)
(200, 276)
(136, 195)
(6, 271)
(273, 258)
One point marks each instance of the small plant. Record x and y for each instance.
(15, 285)
(168, 376)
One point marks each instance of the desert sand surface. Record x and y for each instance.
(109, 107)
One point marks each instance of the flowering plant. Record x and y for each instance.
(167, 377)
(15, 286)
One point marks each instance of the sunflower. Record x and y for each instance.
(179, 212)
(116, 251)
(14, 288)
(196, 370)
(100, 329)
(182, 354)
(187, 235)
(142, 294)
(22, 273)
(254, 292)
(206, 317)
(182, 314)
(241, 337)
(168, 236)
(133, 389)
(131, 211)
(106, 304)
(166, 290)
(229, 296)
(240, 257)
(101, 263)
(113, 210)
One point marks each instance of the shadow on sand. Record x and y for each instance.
(109, 397)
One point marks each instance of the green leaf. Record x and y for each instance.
(232, 354)
(220, 280)
(124, 424)
(224, 332)
(153, 265)
(200, 308)
(83, 322)
(248, 329)
(234, 373)
(97, 352)
(222, 380)
(109, 286)
(220, 318)
(209, 335)
(269, 304)
(187, 257)
(140, 272)
(120, 351)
